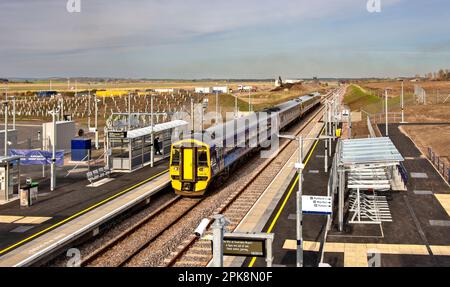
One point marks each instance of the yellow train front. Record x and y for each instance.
(190, 168)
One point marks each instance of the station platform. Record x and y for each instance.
(60, 213)
(419, 234)
(264, 215)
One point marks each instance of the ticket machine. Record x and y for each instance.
(9, 177)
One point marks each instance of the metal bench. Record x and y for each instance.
(97, 174)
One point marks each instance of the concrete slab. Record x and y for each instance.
(21, 229)
(423, 192)
(441, 223)
(419, 175)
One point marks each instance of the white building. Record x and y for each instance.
(203, 90)
(220, 90)
(65, 132)
(168, 90)
(278, 84)
(246, 88)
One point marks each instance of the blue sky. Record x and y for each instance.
(223, 39)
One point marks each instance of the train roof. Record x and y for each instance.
(209, 138)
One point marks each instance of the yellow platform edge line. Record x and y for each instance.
(272, 225)
(81, 213)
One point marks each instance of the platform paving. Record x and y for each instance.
(410, 240)
(67, 200)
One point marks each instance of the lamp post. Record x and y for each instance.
(152, 136)
(217, 107)
(403, 103)
(129, 111)
(299, 202)
(14, 112)
(89, 107)
(52, 167)
(249, 101)
(97, 146)
(5, 105)
(235, 107)
(299, 208)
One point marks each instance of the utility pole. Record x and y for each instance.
(403, 103)
(249, 101)
(192, 117)
(386, 109)
(129, 111)
(5, 105)
(14, 112)
(97, 146)
(152, 137)
(89, 107)
(62, 109)
(235, 108)
(217, 108)
(300, 168)
(325, 118)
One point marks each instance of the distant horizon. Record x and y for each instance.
(201, 79)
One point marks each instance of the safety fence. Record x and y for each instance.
(441, 164)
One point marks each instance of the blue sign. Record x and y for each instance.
(37, 157)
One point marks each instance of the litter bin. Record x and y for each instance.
(29, 194)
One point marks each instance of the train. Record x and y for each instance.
(201, 159)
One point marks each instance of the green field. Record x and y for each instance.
(358, 99)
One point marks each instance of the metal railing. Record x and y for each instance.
(440, 164)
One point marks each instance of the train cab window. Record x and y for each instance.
(175, 157)
(202, 158)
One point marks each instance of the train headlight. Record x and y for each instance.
(176, 169)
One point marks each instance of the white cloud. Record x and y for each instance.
(45, 26)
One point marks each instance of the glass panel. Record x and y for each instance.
(202, 158)
(176, 157)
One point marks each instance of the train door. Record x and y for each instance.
(188, 164)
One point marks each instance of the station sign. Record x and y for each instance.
(319, 205)
(244, 247)
(117, 135)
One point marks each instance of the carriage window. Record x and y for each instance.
(202, 158)
(176, 157)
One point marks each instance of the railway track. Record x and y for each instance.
(140, 235)
(157, 239)
(195, 252)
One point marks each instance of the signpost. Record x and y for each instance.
(238, 244)
(117, 135)
(318, 205)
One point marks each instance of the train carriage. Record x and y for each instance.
(202, 158)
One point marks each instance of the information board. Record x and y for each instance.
(321, 205)
(117, 135)
(244, 247)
